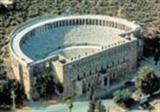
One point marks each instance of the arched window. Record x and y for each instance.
(106, 23)
(74, 22)
(78, 77)
(67, 22)
(87, 21)
(56, 24)
(97, 22)
(96, 70)
(110, 24)
(80, 21)
(100, 22)
(60, 23)
(84, 74)
(102, 70)
(105, 81)
(70, 22)
(77, 21)
(83, 22)
(63, 23)
(90, 72)
(103, 22)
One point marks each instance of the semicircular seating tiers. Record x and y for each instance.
(70, 36)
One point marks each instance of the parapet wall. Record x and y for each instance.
(83, 21)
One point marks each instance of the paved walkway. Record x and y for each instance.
(78, 107)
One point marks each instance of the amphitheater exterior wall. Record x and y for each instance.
(99, 69)
(92, 70)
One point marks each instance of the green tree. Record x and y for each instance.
(96, 106)
(5, 93)
(147, 81)
(92, 105)
(70, 105)
(123, 97)
(100, 107)
(92, 101)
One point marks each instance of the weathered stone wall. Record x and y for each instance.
(15, 67)
(26, 80)
(92, 70)
(22, 74)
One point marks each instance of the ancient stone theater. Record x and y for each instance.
(81, 52)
